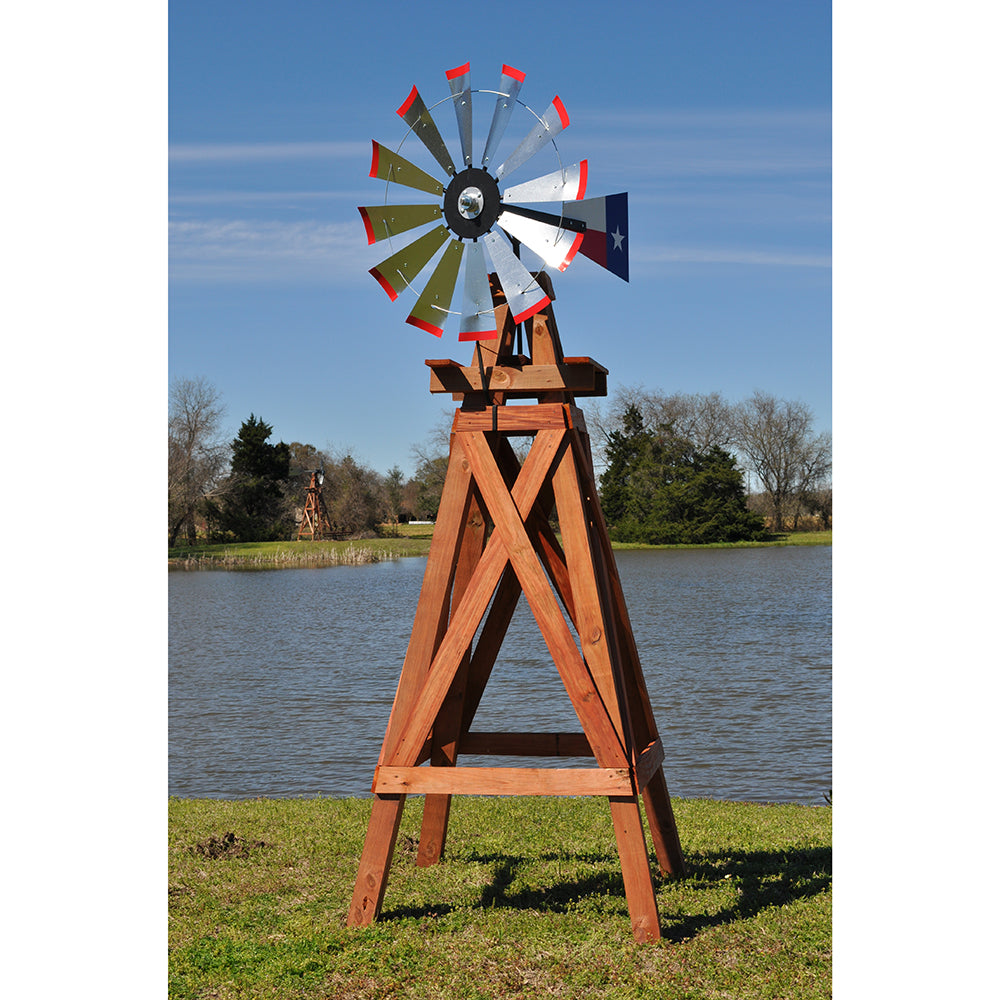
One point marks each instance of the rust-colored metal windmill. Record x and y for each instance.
(494, 539)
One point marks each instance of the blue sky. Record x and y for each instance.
(715, 117)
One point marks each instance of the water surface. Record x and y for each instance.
(281, 681)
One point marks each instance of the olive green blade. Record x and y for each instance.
(399, 270)
(390, 166)
(383, 221)
(432, 306)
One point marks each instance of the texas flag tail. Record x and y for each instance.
(606, 240)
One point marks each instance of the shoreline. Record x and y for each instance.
(364, 551)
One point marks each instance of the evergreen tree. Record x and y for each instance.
(255, 507)
(659, 489)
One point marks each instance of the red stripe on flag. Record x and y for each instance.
(583, 181)
(595, 246)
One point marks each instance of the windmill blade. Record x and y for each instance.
(555, 245)
(432, 306)
(390, 166)
(479, 321)
(510, 85)
(569, 184)
(399, 270)
(383, 221)
(606, 239)
(414, 112)
(460, 81)
(552, 123)
(524, 295)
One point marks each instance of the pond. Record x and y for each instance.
(281, 681)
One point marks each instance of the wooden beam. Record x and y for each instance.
(527, 744)
(609, 781)
(579, 376)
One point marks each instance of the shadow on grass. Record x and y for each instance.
(763, 879)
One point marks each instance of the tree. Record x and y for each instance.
(354, 497)
(776, 440)
(660, 489)
(703, 420)
(392, 485)
(195, 456)
(256, 505)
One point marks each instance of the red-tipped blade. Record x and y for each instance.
(510, 85)
(459, 80)
(524, 295)
(414, 112)
(552, 123)
(390, 166)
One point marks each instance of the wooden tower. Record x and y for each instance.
(315, 523)
(493, 541)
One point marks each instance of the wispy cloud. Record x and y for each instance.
(730, 255)
(266, 151)
(236, 250)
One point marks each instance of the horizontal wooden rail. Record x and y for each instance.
(527, 744)
(611, 781)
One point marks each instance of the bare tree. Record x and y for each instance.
(775, 438)
(703, 420)
(196, 457)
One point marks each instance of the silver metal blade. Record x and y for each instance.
(478, 321)
(383, 221)
(459, 79)
(566, 184)
(399, 270)
(556, 246)
(432, 306)
(390, 166)
(552, 123)
(510, 84)
(414, 112)
(524, 295)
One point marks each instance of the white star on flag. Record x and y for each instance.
(617, 237)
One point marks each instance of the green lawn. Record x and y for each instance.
(527, 903)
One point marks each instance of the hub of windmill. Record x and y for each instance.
(471, 203)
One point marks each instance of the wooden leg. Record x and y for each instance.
(373, 872)
(662, 827)
(635, 869)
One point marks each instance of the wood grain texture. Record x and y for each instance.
(503, 780)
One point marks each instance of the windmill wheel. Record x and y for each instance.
(473, 212)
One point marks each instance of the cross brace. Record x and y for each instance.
(493, 542)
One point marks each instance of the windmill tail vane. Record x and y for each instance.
(472, 215)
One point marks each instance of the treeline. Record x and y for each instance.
(674, 468)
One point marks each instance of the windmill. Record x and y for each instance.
(315, 523)
(494, 540)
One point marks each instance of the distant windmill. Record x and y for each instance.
(315, 523)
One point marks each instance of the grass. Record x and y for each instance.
(527, 903)
(396, 542)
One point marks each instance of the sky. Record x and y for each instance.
(714, 117)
